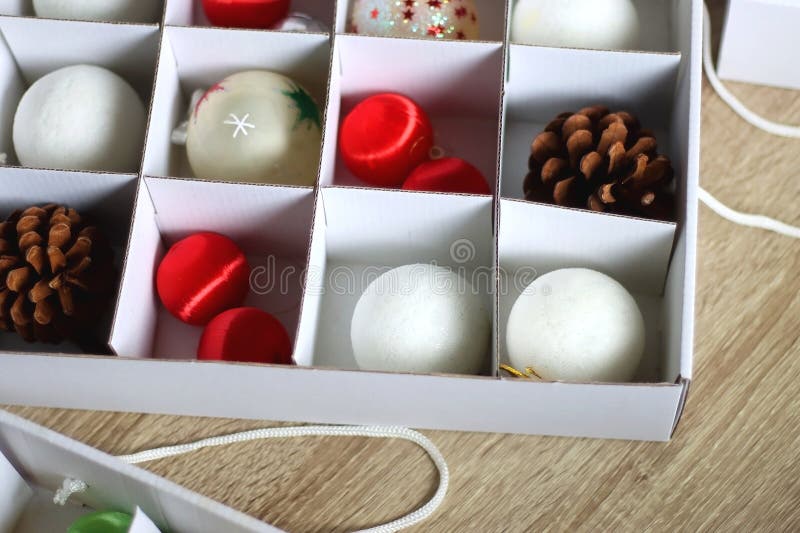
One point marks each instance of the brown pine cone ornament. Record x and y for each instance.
(603, 161)
(57, 275)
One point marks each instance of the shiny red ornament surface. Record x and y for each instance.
(449, 174)
(384, 137)
(202, 276)
(246, 335)
(258, 14)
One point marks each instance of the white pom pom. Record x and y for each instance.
(421, 318)
(576, 325)
(81, 117)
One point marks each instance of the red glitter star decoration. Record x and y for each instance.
(435, 4)
(410, 3)
(374, 13)
(435, 30)
(214, 89)
(408, 14)
(460, 35)
(474, 18)
(461, 12)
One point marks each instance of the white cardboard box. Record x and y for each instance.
(321, 244)
(760, 43)
(34, 462)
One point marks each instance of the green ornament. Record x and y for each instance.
(305, 105)
(102, 522)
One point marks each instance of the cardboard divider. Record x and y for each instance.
(197, 58)
(106, 198)
(537, 239)
(127, 50)
(191, 13)
(642, 83)
(656, 21)
(463, 103)
(363, 233)
(491, 17)
(271, 224)
(679, 293)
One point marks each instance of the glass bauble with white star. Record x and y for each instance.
(432, 19)
(258, 127)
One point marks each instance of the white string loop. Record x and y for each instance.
(68, 488)
(774, 128)
(379, 432)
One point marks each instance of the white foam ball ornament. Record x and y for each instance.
(255, 126)
(421, 318)
(596, 24)
(100, 10)
(81, 117)
(576, 325)
(431, 19)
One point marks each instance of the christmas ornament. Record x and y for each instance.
(246, 335)
(255, 126)
(576, 325)
(601, 161)
(100, 10)
(57, 275)
(601, 24)
(301, 22)
(450, 174)
(80, 118)
(433, 19)
(421, 318)
(256, 14)
(384, 138)
(102, 522)
(202, 276)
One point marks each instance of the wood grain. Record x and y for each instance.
(733, 465)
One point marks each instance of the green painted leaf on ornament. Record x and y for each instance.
(305, 105)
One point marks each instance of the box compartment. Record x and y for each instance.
(463, 105)
(24, 8)
(197, 58)
(108, 198)
(658, 23)
(362, 233)
(491, 18)
(127, 50)
(537, 239)
(190, 12)
(271, 224)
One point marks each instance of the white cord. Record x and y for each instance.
(783, 130)
(422, 441)
(744, 219)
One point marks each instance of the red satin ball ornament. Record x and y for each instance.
(449, 174)
(384, 137)
(256, 14)
(246, 335)
(202, 276)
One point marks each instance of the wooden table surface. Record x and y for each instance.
(733, 465)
